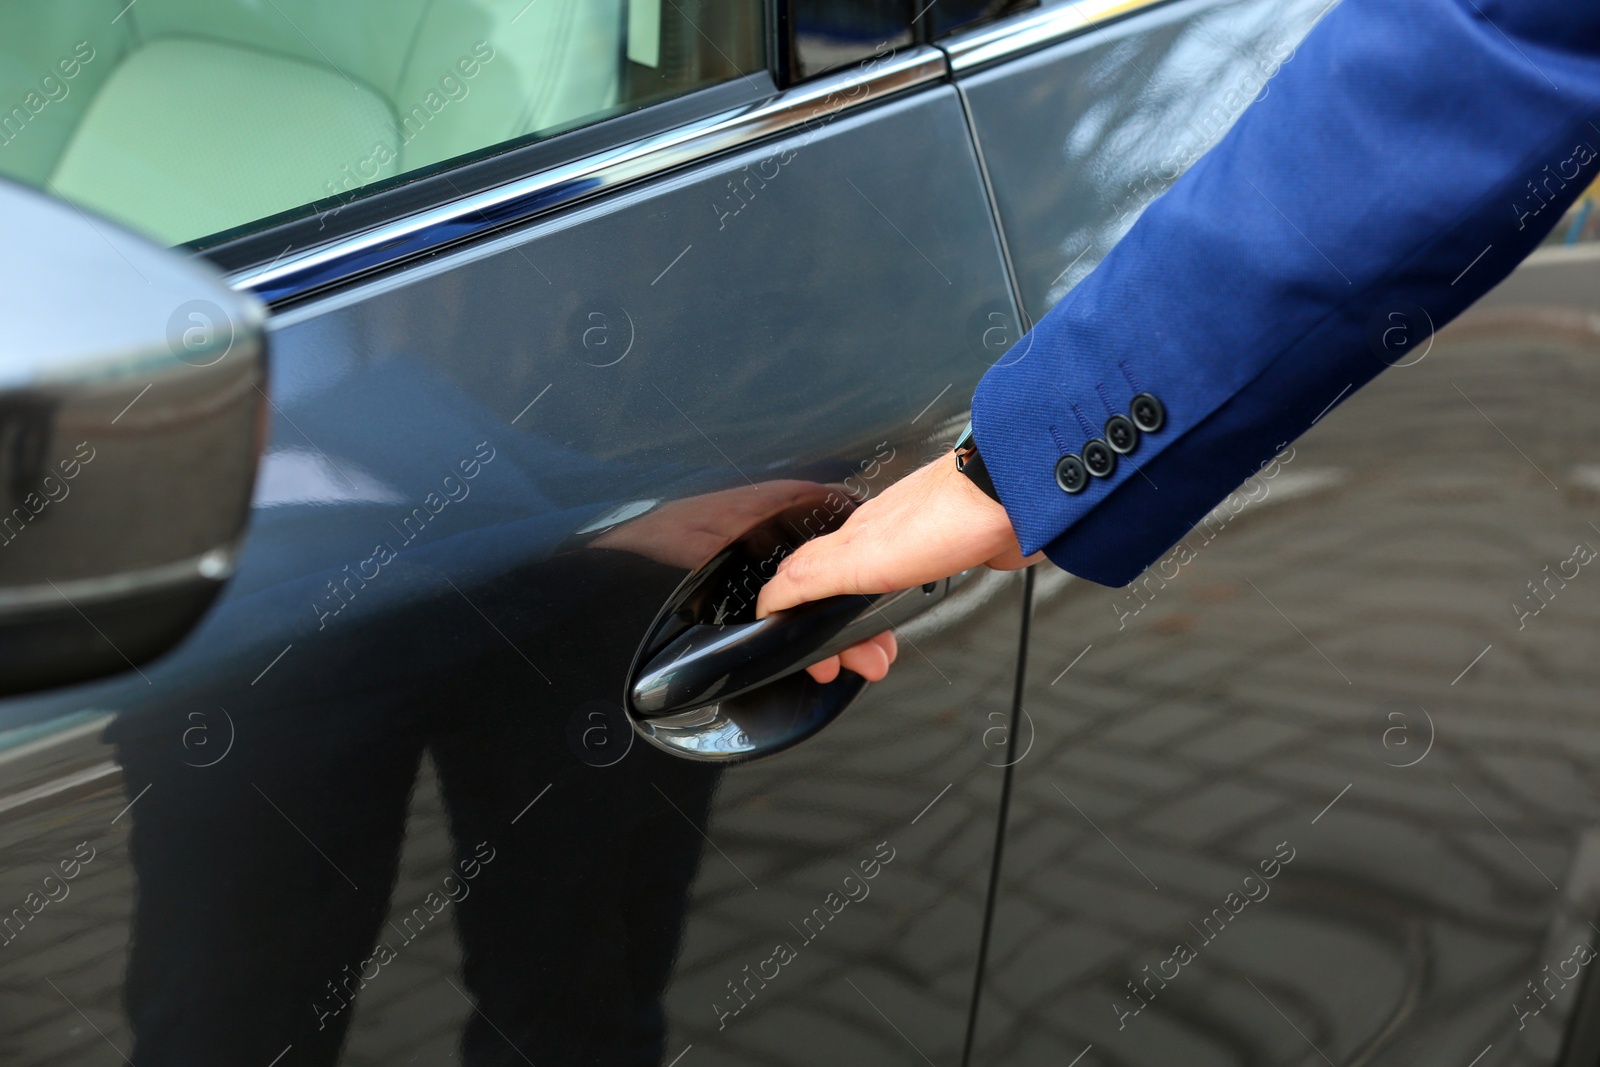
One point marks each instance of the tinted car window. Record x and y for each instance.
(184, 118)
(947, 16)
(823, 35)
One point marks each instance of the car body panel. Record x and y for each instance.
(1079, 136)
(279, 843)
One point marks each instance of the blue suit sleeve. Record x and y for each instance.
(1403, 163)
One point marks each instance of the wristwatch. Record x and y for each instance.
(968, 462)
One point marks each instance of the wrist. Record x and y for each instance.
(981, 517)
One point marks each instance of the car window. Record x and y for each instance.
(185, 118)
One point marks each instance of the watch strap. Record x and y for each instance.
(970, 463)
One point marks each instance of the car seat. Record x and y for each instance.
(196, 116)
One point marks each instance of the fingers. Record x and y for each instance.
(871, 659)
(825, 670)
(820, 568)
(867, 659)
(931, 524)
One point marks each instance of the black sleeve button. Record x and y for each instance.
(1121, 434)
(1148, 413)
(1099, 458)
(1071, 475)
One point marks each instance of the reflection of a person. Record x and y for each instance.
(265, 875)
(264, 881)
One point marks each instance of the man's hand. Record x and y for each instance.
(929, 525)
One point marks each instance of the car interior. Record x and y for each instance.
(183, 118)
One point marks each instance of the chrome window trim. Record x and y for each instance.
(561, 186)
(1037, 29)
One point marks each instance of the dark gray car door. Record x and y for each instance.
(1319, 786)
(386, 802)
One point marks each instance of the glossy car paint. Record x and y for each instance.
(1319, 787)
(1080, 136)
(409, 702)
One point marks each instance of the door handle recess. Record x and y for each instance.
(712, 683)
(711, 662)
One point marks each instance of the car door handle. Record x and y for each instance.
(711, 662)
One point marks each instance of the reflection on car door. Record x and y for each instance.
(1318, 786)
(487, 471)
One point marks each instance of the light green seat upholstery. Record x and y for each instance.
(37, 117)
(554, 63)
(190, 137)
(197, 116)
(369, 40)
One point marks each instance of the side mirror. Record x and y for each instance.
(131, 418)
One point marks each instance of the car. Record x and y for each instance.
(402, 404)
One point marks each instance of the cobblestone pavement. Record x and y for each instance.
(1339, 668)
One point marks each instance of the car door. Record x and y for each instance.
(1319, 785)
(570, 307)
